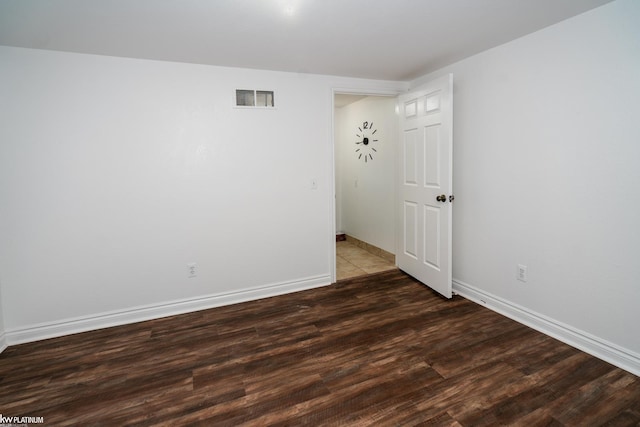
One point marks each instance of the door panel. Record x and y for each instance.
(432, 226)
(426, 166)
(410, 230)
(410, 142)
(431, 157)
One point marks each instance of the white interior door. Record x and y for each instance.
(425, 193)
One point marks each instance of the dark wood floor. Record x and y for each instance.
(380, 350)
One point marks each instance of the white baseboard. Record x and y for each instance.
(3, 342)
(602, 349)
(140, 314)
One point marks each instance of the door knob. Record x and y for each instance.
(441, 198)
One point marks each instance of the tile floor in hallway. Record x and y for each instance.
(352, 261)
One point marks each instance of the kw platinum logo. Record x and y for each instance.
(23, 421)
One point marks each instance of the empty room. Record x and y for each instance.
(175, 177)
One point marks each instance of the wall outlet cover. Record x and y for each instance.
(192, 270)
(522, 273)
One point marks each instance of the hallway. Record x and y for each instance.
(353, 261)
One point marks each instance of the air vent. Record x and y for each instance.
(254, 98)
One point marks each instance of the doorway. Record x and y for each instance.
(420, 176)
(365, 135)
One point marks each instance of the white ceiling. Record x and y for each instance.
(381, 39)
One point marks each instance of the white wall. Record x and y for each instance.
(115, 173)
(366, 191)
(546, 174)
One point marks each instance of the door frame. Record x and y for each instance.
(332, 167)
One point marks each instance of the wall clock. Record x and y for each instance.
(364, 144)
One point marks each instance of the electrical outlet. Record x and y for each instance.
(521, 273)
(192, 270)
